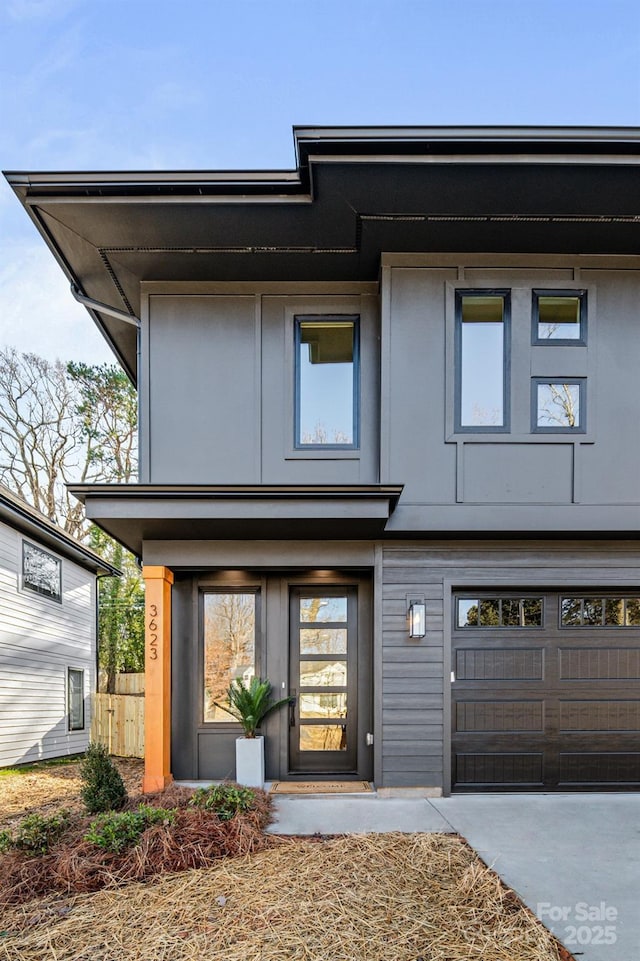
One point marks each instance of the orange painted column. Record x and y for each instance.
(157, 669)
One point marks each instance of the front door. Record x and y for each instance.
(323, 717)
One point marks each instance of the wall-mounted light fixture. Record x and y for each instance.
(417, 619)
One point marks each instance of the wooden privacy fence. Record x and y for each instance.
(118, 723)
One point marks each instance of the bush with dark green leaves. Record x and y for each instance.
(103, 789)
(225, 800)
(35, 834)
(117, 830)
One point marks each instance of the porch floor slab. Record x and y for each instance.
(354, 814)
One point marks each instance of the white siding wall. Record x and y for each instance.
(39, 640)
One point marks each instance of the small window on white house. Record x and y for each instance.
(41, 572)
(75, 699)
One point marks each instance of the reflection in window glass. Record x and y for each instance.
(323, 673)
(323, 640)
(500, 612)
(229, 647)
(632, 612)
(323, 737)
(558, 406)
(481, 361)
(323, 705)
(613, 611)
(600, 612)
(532, 611)
(326, 378)
(323, 609)
(571, 610)
(41, 572)
(592, 611)
(559, 317)
(75, 699)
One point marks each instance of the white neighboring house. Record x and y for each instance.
(48, 653)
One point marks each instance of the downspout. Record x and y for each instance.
(104, 308)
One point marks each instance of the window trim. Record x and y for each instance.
(70, 727)
(505, 427)
(537, 341)
(581, 382)
(327, 318)
(31, 588)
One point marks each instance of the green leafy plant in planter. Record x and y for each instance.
(250, 703)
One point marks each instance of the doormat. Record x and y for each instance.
(321, 787)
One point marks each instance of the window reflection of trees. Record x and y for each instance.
(229, 647)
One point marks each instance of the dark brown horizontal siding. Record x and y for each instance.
(412, 673)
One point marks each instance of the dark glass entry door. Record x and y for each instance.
(323, 666)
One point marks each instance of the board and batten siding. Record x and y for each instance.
(39, 640)
(415, 686)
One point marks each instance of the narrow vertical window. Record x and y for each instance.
(326, 382)
(229, 647)
(482, 347)
(75, 699)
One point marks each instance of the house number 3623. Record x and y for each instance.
(152, 630)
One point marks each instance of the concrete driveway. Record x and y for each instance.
(574, 859)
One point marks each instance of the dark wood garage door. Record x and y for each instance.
(546, 692)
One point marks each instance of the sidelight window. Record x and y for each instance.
(229, 647)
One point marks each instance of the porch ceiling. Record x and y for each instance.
(355, 194)
(137, 512)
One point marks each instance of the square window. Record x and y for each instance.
(558, 405)
(41, 572)
(326, 382)
(75, 699)
(482, 350)
(559, 317)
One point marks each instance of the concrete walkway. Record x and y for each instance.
(573, 859)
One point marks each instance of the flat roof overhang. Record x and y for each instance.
(356, 193)
(134, 513)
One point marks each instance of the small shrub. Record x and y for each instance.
(226, 800)
(6, 842)
(103, 789)
(35, 833)
(117, 830)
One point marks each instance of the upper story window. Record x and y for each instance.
(41, 572)
(559, 405)
(559, 317)
(326, 381)
(482, 351)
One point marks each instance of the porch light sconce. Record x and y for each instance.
(417, 619)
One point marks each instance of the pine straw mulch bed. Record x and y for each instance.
(45, 788)
(197, 838)
(389, 897)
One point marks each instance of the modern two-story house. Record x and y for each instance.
(389, 407)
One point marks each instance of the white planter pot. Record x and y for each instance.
(250, 761)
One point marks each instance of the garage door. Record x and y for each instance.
(546, 692)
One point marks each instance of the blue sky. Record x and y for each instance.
(158, 84)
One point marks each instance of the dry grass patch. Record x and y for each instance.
(391, 897)
(45, 788)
